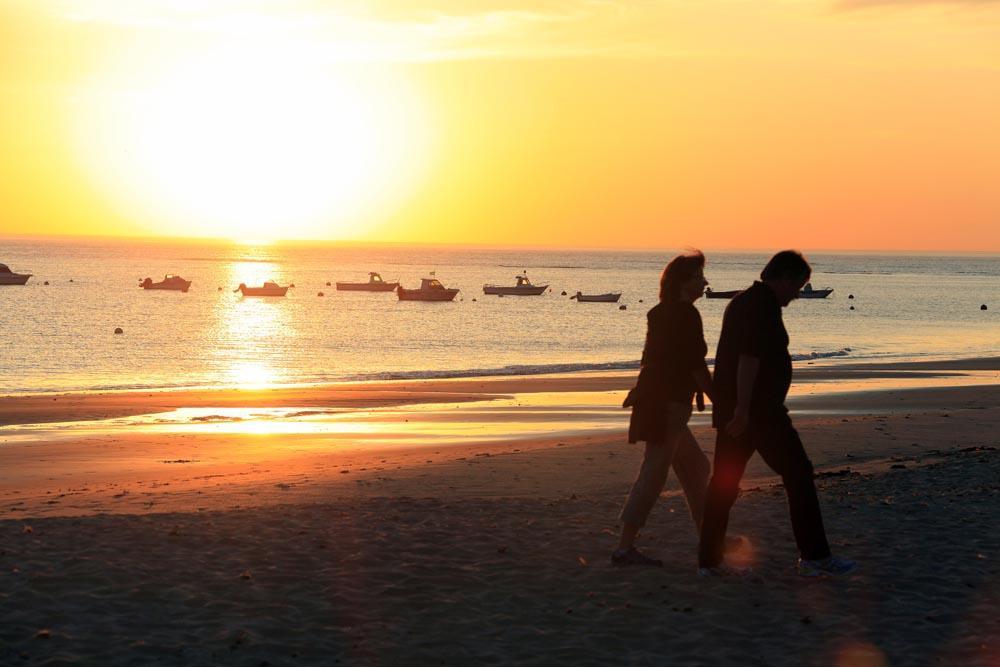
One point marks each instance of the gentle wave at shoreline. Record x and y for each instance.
(506, 371)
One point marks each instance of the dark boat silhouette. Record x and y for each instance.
(170, 282)
(430, 289)
(267, 289)
(522, 287)
(610, 297)
(808, 292)
(712, 294)
(374, 284)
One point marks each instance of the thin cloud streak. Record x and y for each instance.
(390, 33)
(865, 4)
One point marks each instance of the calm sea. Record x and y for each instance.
(60, 336)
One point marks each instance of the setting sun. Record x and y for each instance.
(243, 143)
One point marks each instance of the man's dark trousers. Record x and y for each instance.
(779, 445)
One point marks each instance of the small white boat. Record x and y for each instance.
(808, 292)
(374, 284)
(610, 297)
(8, 277)
(169, 282)
(727, 294)
(522, 287)
(430, 289)
(268, 289)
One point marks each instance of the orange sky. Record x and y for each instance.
(849, 125)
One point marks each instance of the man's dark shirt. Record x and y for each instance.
(753, 326)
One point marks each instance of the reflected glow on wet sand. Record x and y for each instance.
(524, 415)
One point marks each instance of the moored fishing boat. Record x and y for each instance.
(267, 289)
(169, 282)
(8, 277)
(610, 297)
(374, 284)
(522, 287)
(808, 292)
(712, 294)
(430, 289)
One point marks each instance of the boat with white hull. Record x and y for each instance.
(522, 287)
(430, 289)
(808, 292)
(8, 277)
(267, 289)
(170, 282)
(374, 284)
(610, 297)
(728, 294)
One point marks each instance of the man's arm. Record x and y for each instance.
(746, 375)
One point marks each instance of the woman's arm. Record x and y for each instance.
(697, 351)
(703, 381)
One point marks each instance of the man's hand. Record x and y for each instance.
(738, 424)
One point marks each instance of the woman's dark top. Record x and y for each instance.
(675, 348)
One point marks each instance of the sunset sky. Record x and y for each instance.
(838, 124)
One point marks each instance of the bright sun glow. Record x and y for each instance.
(257, 143)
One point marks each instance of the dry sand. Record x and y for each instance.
(209, 548)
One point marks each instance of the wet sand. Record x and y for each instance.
(213, 546)
(42, 408)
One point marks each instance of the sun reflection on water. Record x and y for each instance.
(252, 334)
(251, 375)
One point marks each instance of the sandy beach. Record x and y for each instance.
(470, 521)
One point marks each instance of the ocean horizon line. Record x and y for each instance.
(461, 245)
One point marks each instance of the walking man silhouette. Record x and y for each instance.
(753, 371)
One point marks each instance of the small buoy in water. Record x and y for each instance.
(46, 282)
(319, 294)
(328, 283)
(982, 307)
(852, 307)
(473, 300)
(622, 307)
(640, 300)
(564, 292)
(220, 289)
(119, 330)
(291, 284)
(71, 280)
(850, 296)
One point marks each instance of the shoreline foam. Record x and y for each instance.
(519, 370)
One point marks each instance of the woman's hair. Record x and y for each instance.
(679, 271)
(786, 264)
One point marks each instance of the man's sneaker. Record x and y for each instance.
(633, 556)
(724, 570)
(831, 566)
